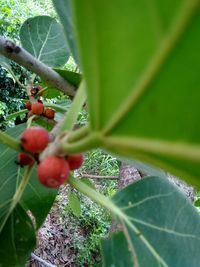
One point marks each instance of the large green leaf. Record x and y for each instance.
(42, 36)
(119, 253)
(64, 10)
(161, 227)
(36, 200)
(144, 56)
(17, 239)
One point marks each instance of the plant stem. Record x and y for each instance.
(94, 195)
(25, 59)
(15, 114)
(76, 107)
(9, 141)
(91, 176)
(89, 142)
(78, 134)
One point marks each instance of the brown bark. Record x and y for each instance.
(127, 175)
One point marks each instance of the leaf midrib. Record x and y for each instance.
(46, 39)
(165, 49)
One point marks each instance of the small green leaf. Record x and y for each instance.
(74, 204)
(51, 92)
(42, 36)
(72, 77)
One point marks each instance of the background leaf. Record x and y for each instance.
(74, 204)
(155, 228)
(64, 11)
(36, 200)
(72, 77)
(145, 57)
(42, 36)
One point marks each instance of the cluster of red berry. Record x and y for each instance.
(53, 171)
(36, 107)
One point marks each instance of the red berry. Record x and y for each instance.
(75, 161)
(37, 108)
(53, 171)
(24, 159)
(34, 139)
(49, 113)
(28, 105)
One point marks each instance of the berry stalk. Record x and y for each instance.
(75, 108)
(9, 141)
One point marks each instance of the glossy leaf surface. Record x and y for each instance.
(144, 56)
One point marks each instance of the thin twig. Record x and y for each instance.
(35, 257)
(91, 176)
(25, 59)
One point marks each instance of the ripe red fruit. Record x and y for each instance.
(24, 159)
(28, 105)
(49, 113)
(53, 171)
(34, 139)
(75, 161)
(37, 108)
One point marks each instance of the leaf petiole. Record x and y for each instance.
(9, 141)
